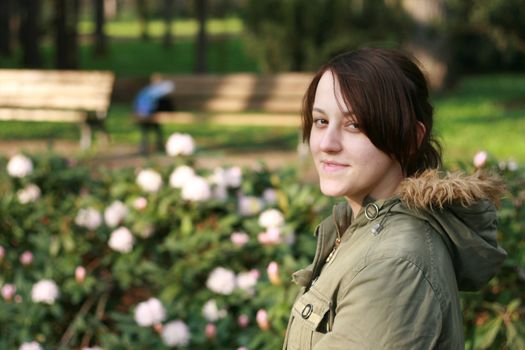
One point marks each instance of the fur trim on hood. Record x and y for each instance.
(461, 208)
(433, 189)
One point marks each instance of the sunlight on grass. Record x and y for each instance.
(156, 28)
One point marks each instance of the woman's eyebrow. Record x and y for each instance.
(317, 109)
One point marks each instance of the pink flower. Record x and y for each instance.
(273, 273)
(270, 237)
(8, 291)
(210, 331)
(80, 274)
(480, 159)
(26, 258)
(2, 252)
(239, 238)
(140, 203)
(262, 319)
(243, 321)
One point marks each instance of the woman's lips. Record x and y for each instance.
(331, 166)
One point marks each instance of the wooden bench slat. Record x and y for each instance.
(55, 102)
(246, 119)
(14, 114)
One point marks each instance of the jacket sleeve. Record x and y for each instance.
(389, 304)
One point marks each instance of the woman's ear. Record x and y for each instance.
(421, 131)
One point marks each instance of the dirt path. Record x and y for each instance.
(126, 155)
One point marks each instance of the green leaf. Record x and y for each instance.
(486, 334)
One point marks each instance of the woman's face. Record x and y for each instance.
(347, 162)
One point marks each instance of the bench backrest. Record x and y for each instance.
(87, 91)
(281, 93)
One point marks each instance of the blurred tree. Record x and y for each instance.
(5, 27)
(201, 9)
(143, 13)
(101, 46)
(487, 34)
(428, 41)
(300, 35)
(29, 32)
(66, 38)
(168, 6)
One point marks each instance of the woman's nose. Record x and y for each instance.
(331, 141)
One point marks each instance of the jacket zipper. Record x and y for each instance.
(332, 254)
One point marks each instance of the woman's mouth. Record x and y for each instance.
(331, 166)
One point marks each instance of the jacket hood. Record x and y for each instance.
(462, 209)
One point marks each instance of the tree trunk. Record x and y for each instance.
(429, 42)
(5, 27)
(66, 41)
(101, 48)
(30, 33)
(202, 39)
(142, 9)
(168, 19)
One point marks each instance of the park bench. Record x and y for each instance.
(233, 100)
(81, 97)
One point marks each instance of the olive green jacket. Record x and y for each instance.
(393, 280)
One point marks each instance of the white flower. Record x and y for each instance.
(149, 180)
(196, 190)
(44, 291)
(271, 218)
(150, 312)
(220, 193)
(249, 205)
(181, 175)
(180, 144)
(211, 312)
(92, 348)
(121, 240)
(480, 159)
(176, 333)
(270, 196)
(19, 166)
(231, 177)
(512, 165)
(89, 218)
(115, 213)
(30, 346)
(247, 281)
(28, 194)
(221, 281)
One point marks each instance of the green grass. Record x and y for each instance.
(483, 113)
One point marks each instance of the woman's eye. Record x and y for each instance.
(320, 122)
(352, 126)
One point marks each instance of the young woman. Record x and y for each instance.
(392, 257)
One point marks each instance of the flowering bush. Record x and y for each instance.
(180, 257)
(161, 257)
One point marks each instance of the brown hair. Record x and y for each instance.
(388, 94)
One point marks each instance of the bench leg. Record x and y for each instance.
(86, 135)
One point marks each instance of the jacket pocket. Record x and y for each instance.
(310, 320)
